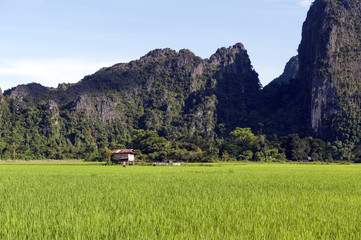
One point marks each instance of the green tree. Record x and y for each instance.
(295, 148)
(151, 144)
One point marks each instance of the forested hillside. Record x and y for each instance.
(176, 94)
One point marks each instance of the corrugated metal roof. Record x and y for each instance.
(124, 151)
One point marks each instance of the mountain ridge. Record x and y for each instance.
(164, 80)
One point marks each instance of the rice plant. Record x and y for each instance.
(219, 201)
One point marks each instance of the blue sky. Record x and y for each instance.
(53, 41)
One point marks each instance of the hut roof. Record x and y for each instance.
(131, 151)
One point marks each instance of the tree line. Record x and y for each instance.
(241, 145)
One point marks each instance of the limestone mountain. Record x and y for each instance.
(172, 92)
(319, 94)
(175, 93)
(329, 71)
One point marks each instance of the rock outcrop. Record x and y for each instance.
(33, 90)
(330, 63)
(237, 85)
(290, 72)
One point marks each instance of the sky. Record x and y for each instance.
(56, 41)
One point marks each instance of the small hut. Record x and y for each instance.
(123, 155)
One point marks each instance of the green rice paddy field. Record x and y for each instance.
(221, 201)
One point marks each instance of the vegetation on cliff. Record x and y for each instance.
(330, 63)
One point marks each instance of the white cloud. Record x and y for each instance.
(48, 72)
(305, 3)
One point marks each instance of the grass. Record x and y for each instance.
(221, 201)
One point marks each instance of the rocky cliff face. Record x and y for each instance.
(236, 88)
(330, 63)
(235, 69)
(290, 72)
